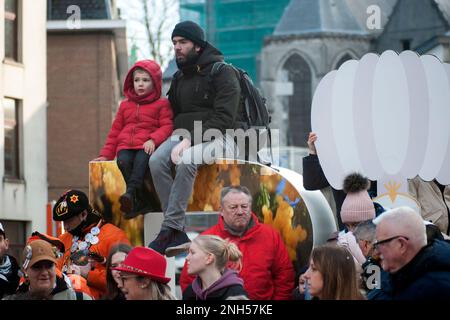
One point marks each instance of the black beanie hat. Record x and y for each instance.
(191, 31)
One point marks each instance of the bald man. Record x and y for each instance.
(417, 271)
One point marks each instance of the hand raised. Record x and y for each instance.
(311, 143)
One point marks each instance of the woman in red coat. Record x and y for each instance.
(143, 122)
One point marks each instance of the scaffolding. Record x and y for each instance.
(236, 27)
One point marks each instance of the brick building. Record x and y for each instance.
(23, 105)
(87, 64)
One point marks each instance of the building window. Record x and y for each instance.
(11, 29)
(406, 44)
(12, 138)
(16, 233)
(343, 59)
(299, 104)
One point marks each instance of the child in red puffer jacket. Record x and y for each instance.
(143, 122)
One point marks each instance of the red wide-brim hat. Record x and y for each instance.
(145, 262)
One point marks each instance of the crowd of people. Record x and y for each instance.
(376, 255)
(239, 257)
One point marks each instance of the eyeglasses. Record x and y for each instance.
(376, 244)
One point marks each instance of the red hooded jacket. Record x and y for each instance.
(140, 118)
(267, 271)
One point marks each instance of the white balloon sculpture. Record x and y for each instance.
(384, 116)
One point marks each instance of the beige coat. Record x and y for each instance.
(432, 205)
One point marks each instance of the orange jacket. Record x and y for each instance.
(109, 236)
(79, 284)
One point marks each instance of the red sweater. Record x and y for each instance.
(267, 271)
(140, 118)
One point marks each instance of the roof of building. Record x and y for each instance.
(444, 6)
(90, 10)
(303, 17)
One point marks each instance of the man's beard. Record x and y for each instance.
(188, 60)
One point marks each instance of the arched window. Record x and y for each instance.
(344, 58)
(299, 103)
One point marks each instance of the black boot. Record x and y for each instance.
(126, 202)
(162, 240)
(180, 243)
(170, 242)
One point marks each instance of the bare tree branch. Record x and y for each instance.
(158, 18)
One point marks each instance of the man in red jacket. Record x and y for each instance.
(267, 270)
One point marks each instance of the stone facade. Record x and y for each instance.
(316, 37)
(319, 55)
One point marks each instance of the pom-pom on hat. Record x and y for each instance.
(357, 206)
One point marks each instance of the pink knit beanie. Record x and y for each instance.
(357, 206)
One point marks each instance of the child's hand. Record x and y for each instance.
(100, 159)
(149, 146)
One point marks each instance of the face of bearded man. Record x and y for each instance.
(186, 53)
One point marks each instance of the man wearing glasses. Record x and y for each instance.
(417, 271)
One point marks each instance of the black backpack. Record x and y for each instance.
(256, 115)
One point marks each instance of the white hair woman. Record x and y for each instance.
(208, 258)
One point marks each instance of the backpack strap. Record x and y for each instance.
(217, 66)
(241, 74)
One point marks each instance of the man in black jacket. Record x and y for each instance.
(200, 103)
(418, 270)
(9, 269)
